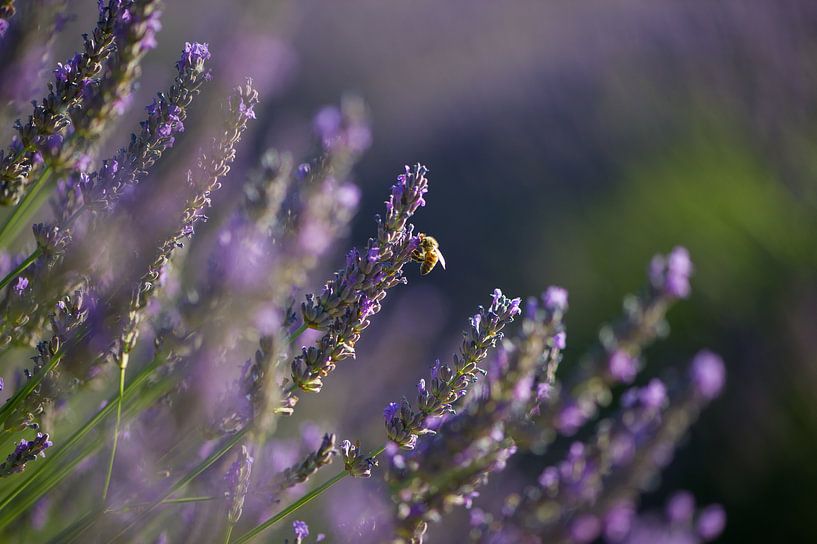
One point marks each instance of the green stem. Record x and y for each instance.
(21, 267)
(189, 477)
(177, 500)
(309, 497)
(298, 332)
(229, 532)
(25, 209)
(122, 367)
(11, 404)
(66, 446)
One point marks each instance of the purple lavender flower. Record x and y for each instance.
(555, 299)
(654, 395)
(449, 383)
(585, 528)
(622, 366)
(708, 374)
(618, 521)
(21, 285)
(194, 56)
(681, 507)
(51, 115)
(301, 530)
(711, 522)
(24, 452)
(671, 274)
(560, 340)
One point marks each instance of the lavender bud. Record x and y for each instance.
(301, 530)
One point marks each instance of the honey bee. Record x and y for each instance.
(428, 254)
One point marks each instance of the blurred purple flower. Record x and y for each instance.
(711, 522)
(708, 374)
(622, 366)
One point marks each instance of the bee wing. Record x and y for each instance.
(441, 259)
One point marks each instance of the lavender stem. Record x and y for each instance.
(309, 497)
(22, 213)
(108, 475)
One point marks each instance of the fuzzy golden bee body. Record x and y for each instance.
(428, 254)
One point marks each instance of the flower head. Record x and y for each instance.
(193, 57)
(301, 529)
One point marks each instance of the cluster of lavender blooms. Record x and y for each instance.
(170, 350)
(524, 406)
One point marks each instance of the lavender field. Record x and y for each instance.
(421, 272)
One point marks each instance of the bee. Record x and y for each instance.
(428, 254)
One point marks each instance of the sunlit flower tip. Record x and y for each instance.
(246, 110)
(560, 340)
(681, 507)
(300, 528)
(63, 71)
(711, 522)
(475, 321)
(390, 411)
(421, 387)
(555, 298)
(496, 296)
(708, 374)
(515, 307)
(622, 366)
(654, 394)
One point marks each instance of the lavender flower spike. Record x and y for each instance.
(50, 116)
(26, 450)
(379, 265)
(212, 167)
(450, 383)
(301, 472)
(355, 292)
(135, 35)
(165, 120)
